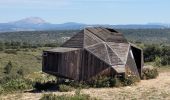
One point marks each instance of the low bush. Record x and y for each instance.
(101, 81)
(97, 82)
(8, 68)
(65, 88)
(8, 85)
(130, 80)
(10, 77)
(17, 85)
(76, 96)
(113, 81)
(76, 84)
(149, 73)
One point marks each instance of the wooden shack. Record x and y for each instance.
(91, 52)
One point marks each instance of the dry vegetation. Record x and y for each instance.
(154, 89)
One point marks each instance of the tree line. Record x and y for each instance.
(160, 54)
(23, 45)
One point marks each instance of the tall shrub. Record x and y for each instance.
(8, 67)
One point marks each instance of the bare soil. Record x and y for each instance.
(154, 89)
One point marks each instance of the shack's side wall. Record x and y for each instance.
(77, 65)
(138, 56)
(131, 68)
(92, 66)
(63, 64)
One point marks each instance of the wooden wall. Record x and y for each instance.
(77, 65)
(131, 68)
(63, 64)
(92, 66)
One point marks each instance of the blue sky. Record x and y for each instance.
(88, 11)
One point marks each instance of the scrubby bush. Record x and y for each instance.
(113, 81)
(79, 96)
(76, 84)
(149, 73)
(13, 80)
(97, 82)
(65, 88)
(101, 82)
(165, 60)
(9, 77)
(17, 85)
(158, 61)
(130, 80)
(8, 67)
(76, 96)
(151, 52)
(20, 71)
(160, 54)
(12, 85)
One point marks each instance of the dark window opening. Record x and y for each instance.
(112, 30)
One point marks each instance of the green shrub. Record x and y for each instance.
(165, 60)
(76, 84)
(17, 85)
(99, 81)
(158, 61)
(103, 81)
(115, 82)
(8, 78)
(149, 73)
(65, 88)
(130, 80)
(8, 67)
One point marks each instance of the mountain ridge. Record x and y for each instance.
(37, 23)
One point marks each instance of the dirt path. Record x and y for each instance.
(155, 89)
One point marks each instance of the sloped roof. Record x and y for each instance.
(107, 44)
(62, 49)
(76, 41)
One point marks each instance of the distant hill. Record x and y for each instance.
(30, 20)
(37, 24)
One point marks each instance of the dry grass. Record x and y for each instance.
(154, 89)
